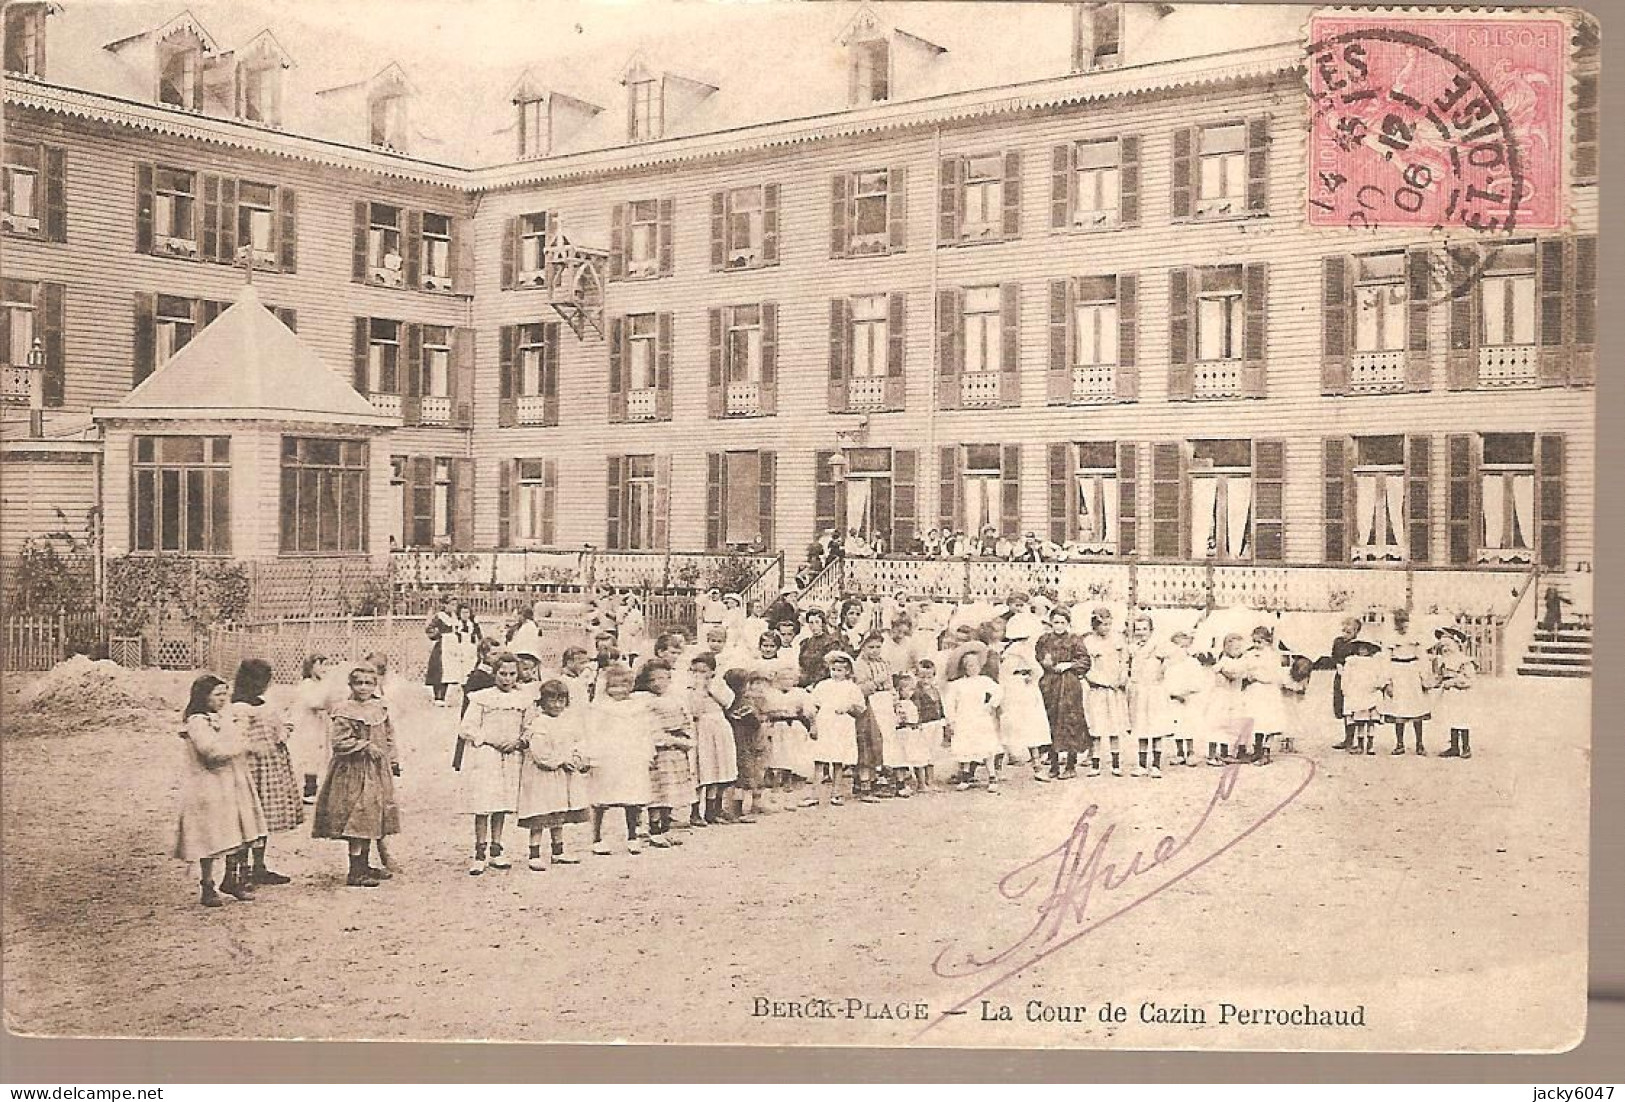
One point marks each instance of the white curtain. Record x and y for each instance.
(1204, 517)
(1508, 508)
(1097, 511)
(981, 503)
(1379, 530)
(857, 505)
(1239, 515)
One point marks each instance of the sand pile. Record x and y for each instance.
(85, 688)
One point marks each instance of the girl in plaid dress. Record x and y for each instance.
(269, 764)
(671, 779)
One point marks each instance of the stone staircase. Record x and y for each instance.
(1565, 652)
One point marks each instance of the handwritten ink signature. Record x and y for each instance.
(1083, 870)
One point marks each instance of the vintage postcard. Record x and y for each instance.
(893, 523)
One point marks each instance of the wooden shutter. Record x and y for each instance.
(617, 373)
(1258, 148)
(507, 404)
(1058, 388)
(420, 491)
(412, 391)
(662, 533)
(770, 224)
(1010, 339)
(897, 209)
(896, 343)
(209, 240)
(617, 242)
(948, 489)
(950, 347)
(358, 361)
(227, 253)
(462, 257)
(1128, 338)
(719, 231)
(1182, 195)
(53, 379)
(1462, 361)
(146, 338)
(287, 229)
(840, 335)
(209, 309)
(948, 180)
(839, 235)
(766, 480)
(663, 367)
(1269, 506)
(664, 251)
(1063, 177)
(1418, 287)
(1419, 496)
(358, 256)
(905, 498)
(1583, 292)
(462, 511)
(1461, 515)
(143, 208)
(550, 374)
(1335, 308)
(412, 247)
(1010, 491)
(1128, 180)
(715, 384)
(1011, 227)
(614, 536)
(1585, 127)
(1181, 371)
(550, 501)
(509, 270)
(826, 505)
(1170, 537)
(1552, 286)
(1060, 492)
(462, 378)
(769, 388)
(56, 193)
(716, 474)
(1255, 296)
(1128, 499)
(507, 475)
(288, 316)
(1335, 514)
(1549, 484)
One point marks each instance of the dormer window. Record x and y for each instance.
(871, 71)
(179, 79)
(25, 39)
(1097, 36)
(646, 111)
(386, 121)
(257, 93)
(535, 127)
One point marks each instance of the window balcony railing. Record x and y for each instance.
(1377, 372)
(389, 274)
(1217, 379)
(176, 246)
(434, 410)
(979, 389)
(386, 403)
(17, 385)
(433, 282)
(743, 399)
(531, 409)
(1509, 365)
(641, 405)
(532, 278)
(1094, 383)
(1095, 219)
(18, 223)
(866, 392)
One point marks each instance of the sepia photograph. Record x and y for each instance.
(885, 523)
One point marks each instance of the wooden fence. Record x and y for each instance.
(38, 642)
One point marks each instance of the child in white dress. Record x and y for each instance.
(970, 704)
(553, 780)
(1105, 703)
(1184, 679)
(493, 734)
(837, 703)
(620, 749)
(1262, 693)
(1454, 672)
(1147, 699)
(913, 753)
(1227, 718)
(1023, 723)
(1365, 689)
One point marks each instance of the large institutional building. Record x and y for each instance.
(867, 267)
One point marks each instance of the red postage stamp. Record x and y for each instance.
(1448, 122)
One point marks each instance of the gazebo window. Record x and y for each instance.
(324, 495)
(182, 494)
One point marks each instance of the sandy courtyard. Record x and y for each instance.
(1446, 898)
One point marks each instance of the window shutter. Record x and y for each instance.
(288, 316)
(948, 199)
(287, 229)
(1335, 299)
(840, 333)
(505, 496)
(550, 374)
(715, 474)
(550, 233)
(510, 253)
(1060, 492)
(1128, 180)
(824, 493)
(897, 209)
(617, 242)
(770, 224)
(664, 249)
(1181, 374)
(207, 310)
(1269, 507)
(209, 244)
(1010, 353)
(421, 489)
(412, 390)
(662, 502)
(228, 221)
(1058, 390)
(1585, 127)
(1170, 538)
(1462, 361)
(1549, 501)
(358, 257)
(896, 342)
(1551, 285)
(719, 235)
(770, 357)
(837, 216)
(462, 378)
(1583, 295)
(358, 362)
(1419, 496)
(462, 496)
(1418, 286)
(462, 257)
(1061, 180)
(56, 194)
(146, 337)
(663, 367)
(614, 538)
(767, 475)
(1182, 195)
(1462, 512)
(1334, 498)
(143, 208)
(507, 405)
(714, 378)
(1010, 492)
(1258, 148)
(1255, 295)
(905, 499)
(412, 247)
(617, 374)
(550, 501)
(1128, 499)
(1128, 338)
(1012, 195)
(53, 380)
(948, 489)
(950, 347)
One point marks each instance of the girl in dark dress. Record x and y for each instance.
(1064, 660)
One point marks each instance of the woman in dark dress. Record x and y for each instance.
(1064, 659)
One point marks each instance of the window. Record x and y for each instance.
(535, 128)
(386, 121)
(20, 188)
(1098, 182)
(646, 111)
(1219, 316)
(868, 493)
(980, 484)
(532, 512)
(436, 380)
(324, 495)
(739, 493)
(384, 245)
(869, 336)
(256, 222)
(744, 227)
(1379, 303)
(1222, 179)
(397, 502)
(182, 499)
(532, 359)
(871, 71)
(1221, 499)
(25, 38)
(983, 196)
(442, 501)
(1096, 36)
(1379, 499)
(1507, 297)
(643, 239)
(257, 91)
(175, 324)
(174, 211)
(178, 83)
(870, 204)
(983, 336)
(1095, 323)
(532, 247)
(1507, 497)
(437, 252)
(383, 356)
(642, 335)
(745, 344)
(640, 503)
(1096, 503)
(17, 305)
